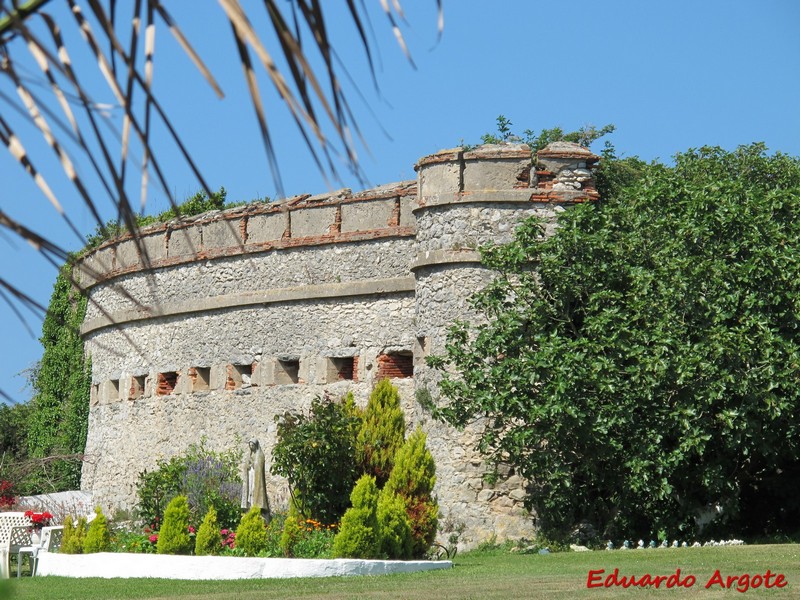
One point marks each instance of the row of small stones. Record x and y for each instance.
(675, 544)
(641, 546)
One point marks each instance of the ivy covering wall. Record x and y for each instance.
(61, 382)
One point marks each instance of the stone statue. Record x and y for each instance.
(254, 484)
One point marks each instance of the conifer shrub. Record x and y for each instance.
(98, 538)
(208, 541)
(291, 535)
(413, 478)
(173, 537)
(251, 535)
(396, 536)
(73, 536)
(359, 531)
(382, 432)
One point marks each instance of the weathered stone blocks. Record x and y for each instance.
(254, 311)
(308, 222)
(365, 216)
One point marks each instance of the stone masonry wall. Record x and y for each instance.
(210, 327)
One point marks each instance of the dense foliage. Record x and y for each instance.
(382, 432)
(173, 537)
(58, 417)
(13, 451)
(207, 478)
(316, 453)
(251, 534)
(208, 541)
(640, 366)
(397, 541)
(360, 533)
(74, 535)
(98, 538)
(413, 478)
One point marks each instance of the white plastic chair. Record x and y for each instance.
(50, 542)
(9, 521)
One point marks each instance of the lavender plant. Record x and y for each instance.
(206, 477)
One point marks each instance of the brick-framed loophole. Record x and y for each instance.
(167, 383)
(239, 376)
(396, 365)
(341, 369)
(200, 378)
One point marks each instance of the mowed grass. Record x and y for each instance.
(477, 575)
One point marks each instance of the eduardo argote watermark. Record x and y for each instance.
(600, 578)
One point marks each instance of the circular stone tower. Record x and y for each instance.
(465, 200)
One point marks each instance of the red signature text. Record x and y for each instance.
(598, 578)
(614, 579)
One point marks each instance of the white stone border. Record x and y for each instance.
(110, 565)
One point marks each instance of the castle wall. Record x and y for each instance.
(210, 327)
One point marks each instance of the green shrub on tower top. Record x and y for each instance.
(382, 432)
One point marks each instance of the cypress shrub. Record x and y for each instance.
(359, 532)
(413, 478)
(98, 538)
(382, 432)
(74, 535)
(396, 535)
(251, 535)
(173, 537)
(208, 541)
(291, 535)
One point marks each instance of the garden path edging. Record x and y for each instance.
(110, 565)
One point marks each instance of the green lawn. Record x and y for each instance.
(479, 576)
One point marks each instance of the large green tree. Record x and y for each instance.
(640, 366)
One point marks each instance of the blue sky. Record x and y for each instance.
(670, 75)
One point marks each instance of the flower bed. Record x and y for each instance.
(110, 565)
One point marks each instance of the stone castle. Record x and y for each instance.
(212, 326)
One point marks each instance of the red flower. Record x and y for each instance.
(39, 520)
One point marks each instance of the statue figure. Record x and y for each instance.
(254, 484)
